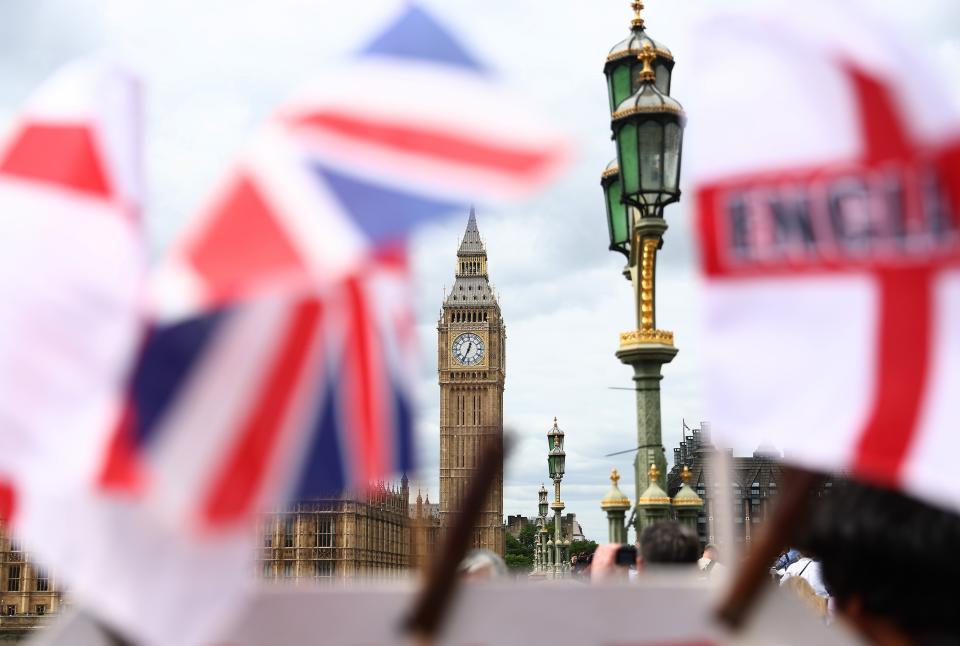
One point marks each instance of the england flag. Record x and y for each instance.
(827, 194)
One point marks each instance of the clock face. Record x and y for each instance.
(468, 349)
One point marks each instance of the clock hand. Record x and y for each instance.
(469, 345)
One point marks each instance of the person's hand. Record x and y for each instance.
(604, 566)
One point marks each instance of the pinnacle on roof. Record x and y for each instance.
(471, 237)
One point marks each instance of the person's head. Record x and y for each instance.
(882, 555)
(482, 565)
(668, 541)
(711, 552)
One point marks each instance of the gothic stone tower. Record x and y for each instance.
(471, 361)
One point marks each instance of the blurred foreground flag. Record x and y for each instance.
(827, 188)
(71, 274)
(281, 365)
(286, 396)
(411, 128)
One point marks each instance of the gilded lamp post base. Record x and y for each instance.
(646, 351)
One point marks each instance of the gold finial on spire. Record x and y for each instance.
(637, 22)
(647, 56)
(614, 477)
(554, 421)
(686, 474)
(653, 473)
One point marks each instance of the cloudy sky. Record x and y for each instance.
(214, 68)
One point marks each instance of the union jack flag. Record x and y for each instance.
(289, 376)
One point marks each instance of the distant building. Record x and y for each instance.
(755, 482)
(424, 531)
(338, 538)
(515, 524)
(569, 526)
(28, 592)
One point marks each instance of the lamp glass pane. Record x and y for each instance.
(619, 85)
(627, 159)
(663, 78)
(671, 156)
(616, 212)
(650, 141)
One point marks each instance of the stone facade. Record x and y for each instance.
(755, 481)
(471, 360)
(338, 538)
(424, 532)
(28, 593)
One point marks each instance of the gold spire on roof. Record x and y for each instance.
(653, 473)
(686, 474)
(614, 500)
(647, 56)
(637, 21)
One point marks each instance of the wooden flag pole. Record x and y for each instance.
(432, 605)
(778, 533)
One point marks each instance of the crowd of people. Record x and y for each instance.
(880, 560)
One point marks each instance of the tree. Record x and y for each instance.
(582, 547)
(519, 552)
(527, 538)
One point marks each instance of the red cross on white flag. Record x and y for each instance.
(827, 190)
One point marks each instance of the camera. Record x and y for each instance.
(626, 556)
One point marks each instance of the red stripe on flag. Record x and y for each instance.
(430, 142)
(122, 468)
(365, 389)
(903, 350)
(63, 155)
(8, 501)
(237, 487)
(243, 245)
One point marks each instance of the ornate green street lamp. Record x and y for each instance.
(622, 68)
(647, 127)
(619, 215)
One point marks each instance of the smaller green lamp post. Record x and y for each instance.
(541, 527)
(556, 461)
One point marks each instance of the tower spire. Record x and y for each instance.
(471, 244)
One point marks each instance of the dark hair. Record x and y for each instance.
(889, 552)
(668, 541)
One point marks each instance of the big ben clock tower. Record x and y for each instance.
(471, 362)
